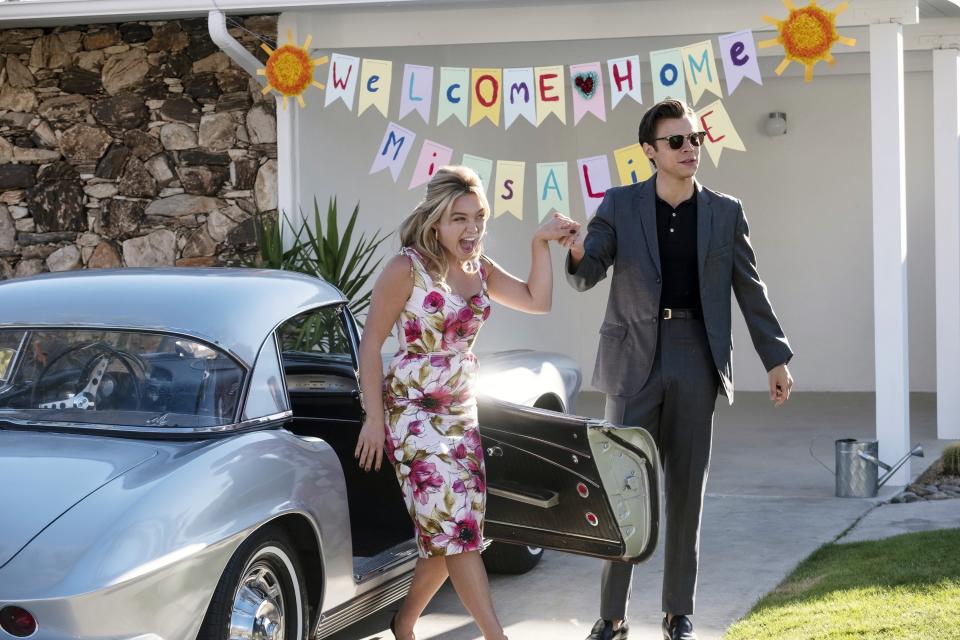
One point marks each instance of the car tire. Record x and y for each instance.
(512, 559)
(264, 573)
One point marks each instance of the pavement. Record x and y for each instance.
(769, 504)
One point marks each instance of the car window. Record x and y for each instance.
(117, 378)
(319, 332)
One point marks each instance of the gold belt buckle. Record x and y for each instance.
(668, 314)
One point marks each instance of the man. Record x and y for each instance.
(677, 250)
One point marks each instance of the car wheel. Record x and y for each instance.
(501, 557)
(261, 594)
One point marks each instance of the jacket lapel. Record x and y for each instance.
(645, 201)
(704, 224)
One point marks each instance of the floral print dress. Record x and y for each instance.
(430, 407)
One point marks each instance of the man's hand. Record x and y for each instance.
(575, 245)
(780, 384)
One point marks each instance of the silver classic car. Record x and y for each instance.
(176, 462)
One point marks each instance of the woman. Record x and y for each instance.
(438, 292)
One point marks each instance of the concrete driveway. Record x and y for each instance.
(769, 504)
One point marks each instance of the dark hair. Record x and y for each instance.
(669, 108)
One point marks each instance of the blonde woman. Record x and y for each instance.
(423, 413)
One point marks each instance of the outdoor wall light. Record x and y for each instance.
(776, 124)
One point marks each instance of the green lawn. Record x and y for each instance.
(902, 588)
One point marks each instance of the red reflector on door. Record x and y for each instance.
(592, 519)
(583, 490)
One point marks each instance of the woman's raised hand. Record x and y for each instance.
(558, 227)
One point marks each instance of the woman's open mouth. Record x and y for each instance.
(468, 246)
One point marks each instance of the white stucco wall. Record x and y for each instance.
(806, 194)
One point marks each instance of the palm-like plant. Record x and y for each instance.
(342, 260)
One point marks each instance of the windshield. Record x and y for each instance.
(118, 378)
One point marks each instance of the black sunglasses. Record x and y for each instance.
(676, 142)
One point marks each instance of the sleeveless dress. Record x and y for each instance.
(430, 409)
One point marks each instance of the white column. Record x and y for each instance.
(889, 245)
(946, 176)
(288, 149)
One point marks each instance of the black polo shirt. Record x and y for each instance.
(677, 237)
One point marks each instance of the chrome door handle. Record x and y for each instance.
(494, 452)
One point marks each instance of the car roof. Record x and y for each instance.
(235, 309)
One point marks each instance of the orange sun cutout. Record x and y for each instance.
(807, 35)
(289, 69)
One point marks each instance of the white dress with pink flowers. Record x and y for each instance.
(431, 414)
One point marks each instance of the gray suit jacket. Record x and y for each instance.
(623, 233)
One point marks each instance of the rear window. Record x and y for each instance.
(117, 378)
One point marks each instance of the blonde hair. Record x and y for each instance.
(418, 231)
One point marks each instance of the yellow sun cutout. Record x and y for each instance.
(807, 35)
(289, 69)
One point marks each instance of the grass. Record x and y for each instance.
(903, 588)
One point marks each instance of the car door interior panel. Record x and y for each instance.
(569, 483)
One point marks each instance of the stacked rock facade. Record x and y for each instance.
(135, 144)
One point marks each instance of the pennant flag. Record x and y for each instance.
(666, 68)
(453, 97)
(550, 93)
(586, 82)
(624, 79)
(594, 182)
(701, 70)
(632, 164)
(552, 192)
(375, 85)
(342, 79)
(483, 167)
(721, 134)
(393, 150)
(432, 157)
(739, 54)
(417, 91)
(519, 98)
(508, 196)
(485, 95)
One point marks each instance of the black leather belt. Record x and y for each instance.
(680, 314)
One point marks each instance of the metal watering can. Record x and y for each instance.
(857, 464)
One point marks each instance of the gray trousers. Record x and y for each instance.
(676, 405)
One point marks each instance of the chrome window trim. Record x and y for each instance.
(168, 432)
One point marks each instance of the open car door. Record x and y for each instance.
(569, 483)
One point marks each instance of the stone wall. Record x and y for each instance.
(135, 144)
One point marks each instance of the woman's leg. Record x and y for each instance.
(428, 576)
(469, 578)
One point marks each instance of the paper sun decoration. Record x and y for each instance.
(807, 35)
(289, 69)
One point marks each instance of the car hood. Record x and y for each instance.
(43, 475)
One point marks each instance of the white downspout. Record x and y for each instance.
(287, 122)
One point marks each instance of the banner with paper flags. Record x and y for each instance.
(586, 85)
(633, 166)
(721, 133)
(739, 54)
(342, 79)
(432, 157)
(551, 95)
(393, 150)
(483, 167)
(594, 181)
(508, 190)
(701, 70)
(552, 189)
(519, 97)
(416, 91)
(453, 99)
(375, 78)
(666, 73)
(485, 95)
(624, 79)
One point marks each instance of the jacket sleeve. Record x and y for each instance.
(599, 248)
(765, 331)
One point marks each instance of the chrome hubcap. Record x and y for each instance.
(258, 606)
